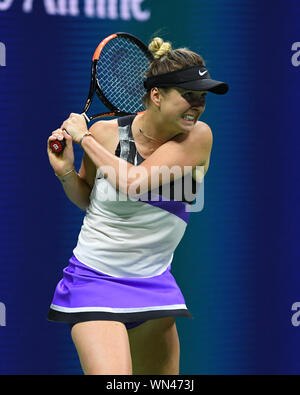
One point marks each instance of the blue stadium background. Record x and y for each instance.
(238, 264)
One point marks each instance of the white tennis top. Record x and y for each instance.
(128, 238)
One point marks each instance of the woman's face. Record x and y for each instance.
(182, 107)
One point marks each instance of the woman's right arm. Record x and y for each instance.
(77, 187)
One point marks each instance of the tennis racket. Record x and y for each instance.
(118, 71)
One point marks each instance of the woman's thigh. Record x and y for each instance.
(155, 347)
(103, 347)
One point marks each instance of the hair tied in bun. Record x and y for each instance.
(159, 48)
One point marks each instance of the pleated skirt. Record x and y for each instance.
(86, 294)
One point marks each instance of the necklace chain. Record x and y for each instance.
(149, 137)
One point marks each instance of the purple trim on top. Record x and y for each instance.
(172, 206)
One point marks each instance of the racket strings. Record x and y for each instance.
(120, 72)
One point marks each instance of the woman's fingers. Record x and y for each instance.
(58, 133)
(66, 135)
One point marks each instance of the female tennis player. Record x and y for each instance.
(118, 293)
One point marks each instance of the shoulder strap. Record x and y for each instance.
(126, 148)
(127, 120)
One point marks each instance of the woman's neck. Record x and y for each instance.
(152, 128)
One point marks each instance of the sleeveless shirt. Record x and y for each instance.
(125, 237)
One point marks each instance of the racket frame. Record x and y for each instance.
(96, 88)
(94, 84)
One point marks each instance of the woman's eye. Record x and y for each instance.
(187, 96)
(194, 99)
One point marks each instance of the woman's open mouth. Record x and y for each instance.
(191, 118)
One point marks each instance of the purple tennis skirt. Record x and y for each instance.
(85, 294)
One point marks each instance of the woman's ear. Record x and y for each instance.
(155, 96)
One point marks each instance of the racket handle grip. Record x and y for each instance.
(57, 146)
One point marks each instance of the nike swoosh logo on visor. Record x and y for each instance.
(201, 74)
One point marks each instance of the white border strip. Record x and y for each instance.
(116, 310)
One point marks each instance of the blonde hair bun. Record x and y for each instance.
(159, 48)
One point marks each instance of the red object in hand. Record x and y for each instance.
(57, 146)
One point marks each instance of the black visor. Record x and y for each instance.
(194, 78)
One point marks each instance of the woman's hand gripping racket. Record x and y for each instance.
(118, 71)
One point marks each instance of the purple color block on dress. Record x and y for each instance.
(172, 206)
